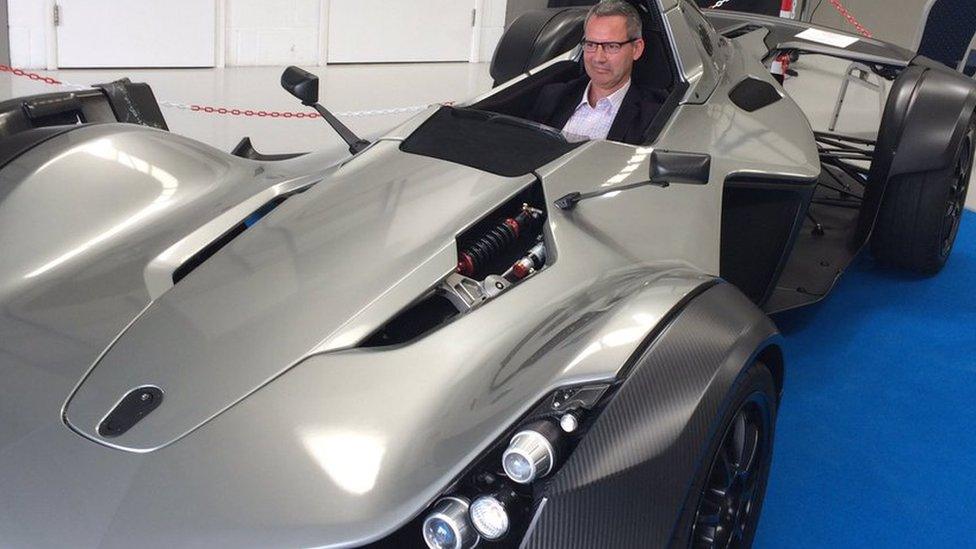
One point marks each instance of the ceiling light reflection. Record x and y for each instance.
(104, 149)
(352, 460)
(632, 165)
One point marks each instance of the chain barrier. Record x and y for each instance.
(32, 75)
(845, 13)
(851, 19)
(223, 111)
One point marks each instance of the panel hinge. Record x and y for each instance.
(474, 16)
(57, 15)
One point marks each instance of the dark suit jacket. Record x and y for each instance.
(556, 104)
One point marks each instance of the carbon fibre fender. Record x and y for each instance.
(930, 106)
(627, 481)
(928, 111)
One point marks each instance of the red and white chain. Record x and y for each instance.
(225, 111)
(851, 19)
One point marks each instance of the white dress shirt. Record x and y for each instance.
(595, 122)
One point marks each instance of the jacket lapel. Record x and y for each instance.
(629, 113)
(570, 100)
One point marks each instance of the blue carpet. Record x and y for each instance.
(876, 440)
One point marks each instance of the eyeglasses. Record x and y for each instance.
(611, 48)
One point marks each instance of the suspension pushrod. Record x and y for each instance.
(842, 137)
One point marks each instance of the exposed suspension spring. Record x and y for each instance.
(478, 255)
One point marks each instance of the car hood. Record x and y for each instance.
(318, 273)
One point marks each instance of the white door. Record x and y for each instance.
(136, 33)
(376, 31)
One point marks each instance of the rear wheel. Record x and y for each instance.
(724, 506)
(920, 214)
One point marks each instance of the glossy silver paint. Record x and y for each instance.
(277, 430)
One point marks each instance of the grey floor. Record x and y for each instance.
(357, 88)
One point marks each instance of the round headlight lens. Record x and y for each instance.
(439, 533)
(447, 526)
(518, 467)
(529, 456)
(489, 517)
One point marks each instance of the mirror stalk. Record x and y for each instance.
(305, 86)
(666, 167)
(356, 143)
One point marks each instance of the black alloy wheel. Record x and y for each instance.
(956, 200)
(729, 505)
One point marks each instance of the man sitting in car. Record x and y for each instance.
(603, 104)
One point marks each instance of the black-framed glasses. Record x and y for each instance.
(589, 46)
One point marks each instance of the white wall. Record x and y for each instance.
(490, 22)
(4, 38)
(273, 32)
(256, 32)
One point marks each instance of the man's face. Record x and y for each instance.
(606, 70)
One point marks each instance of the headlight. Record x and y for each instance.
(491, 503)
(447, 527)
(532, 452)
(489, 515)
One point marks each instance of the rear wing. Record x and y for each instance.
(27, 121)
(119, 101)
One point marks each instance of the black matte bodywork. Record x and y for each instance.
(752, 94)
(928, 111)
(658, 424)
(495, 143)
(535, 38)
(761, 219)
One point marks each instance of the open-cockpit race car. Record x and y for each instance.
(473, 330)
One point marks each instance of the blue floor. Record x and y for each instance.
(876, 440)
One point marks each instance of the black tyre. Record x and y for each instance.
(920, 214)
(723, 507)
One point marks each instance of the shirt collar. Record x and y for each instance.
(616, 98)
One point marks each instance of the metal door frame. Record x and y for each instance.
(4, 34)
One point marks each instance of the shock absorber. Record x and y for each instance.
(474, 257)
(532, 261)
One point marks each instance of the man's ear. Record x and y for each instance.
(638, 48)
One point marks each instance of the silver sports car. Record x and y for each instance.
(471, 330)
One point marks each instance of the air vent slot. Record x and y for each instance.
(741, 31)
(209, 250)
(412, 323)
(751, 94)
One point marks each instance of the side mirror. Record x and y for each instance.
(680, 167)
(302, 84)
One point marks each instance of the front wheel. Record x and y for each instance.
(724, 505)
